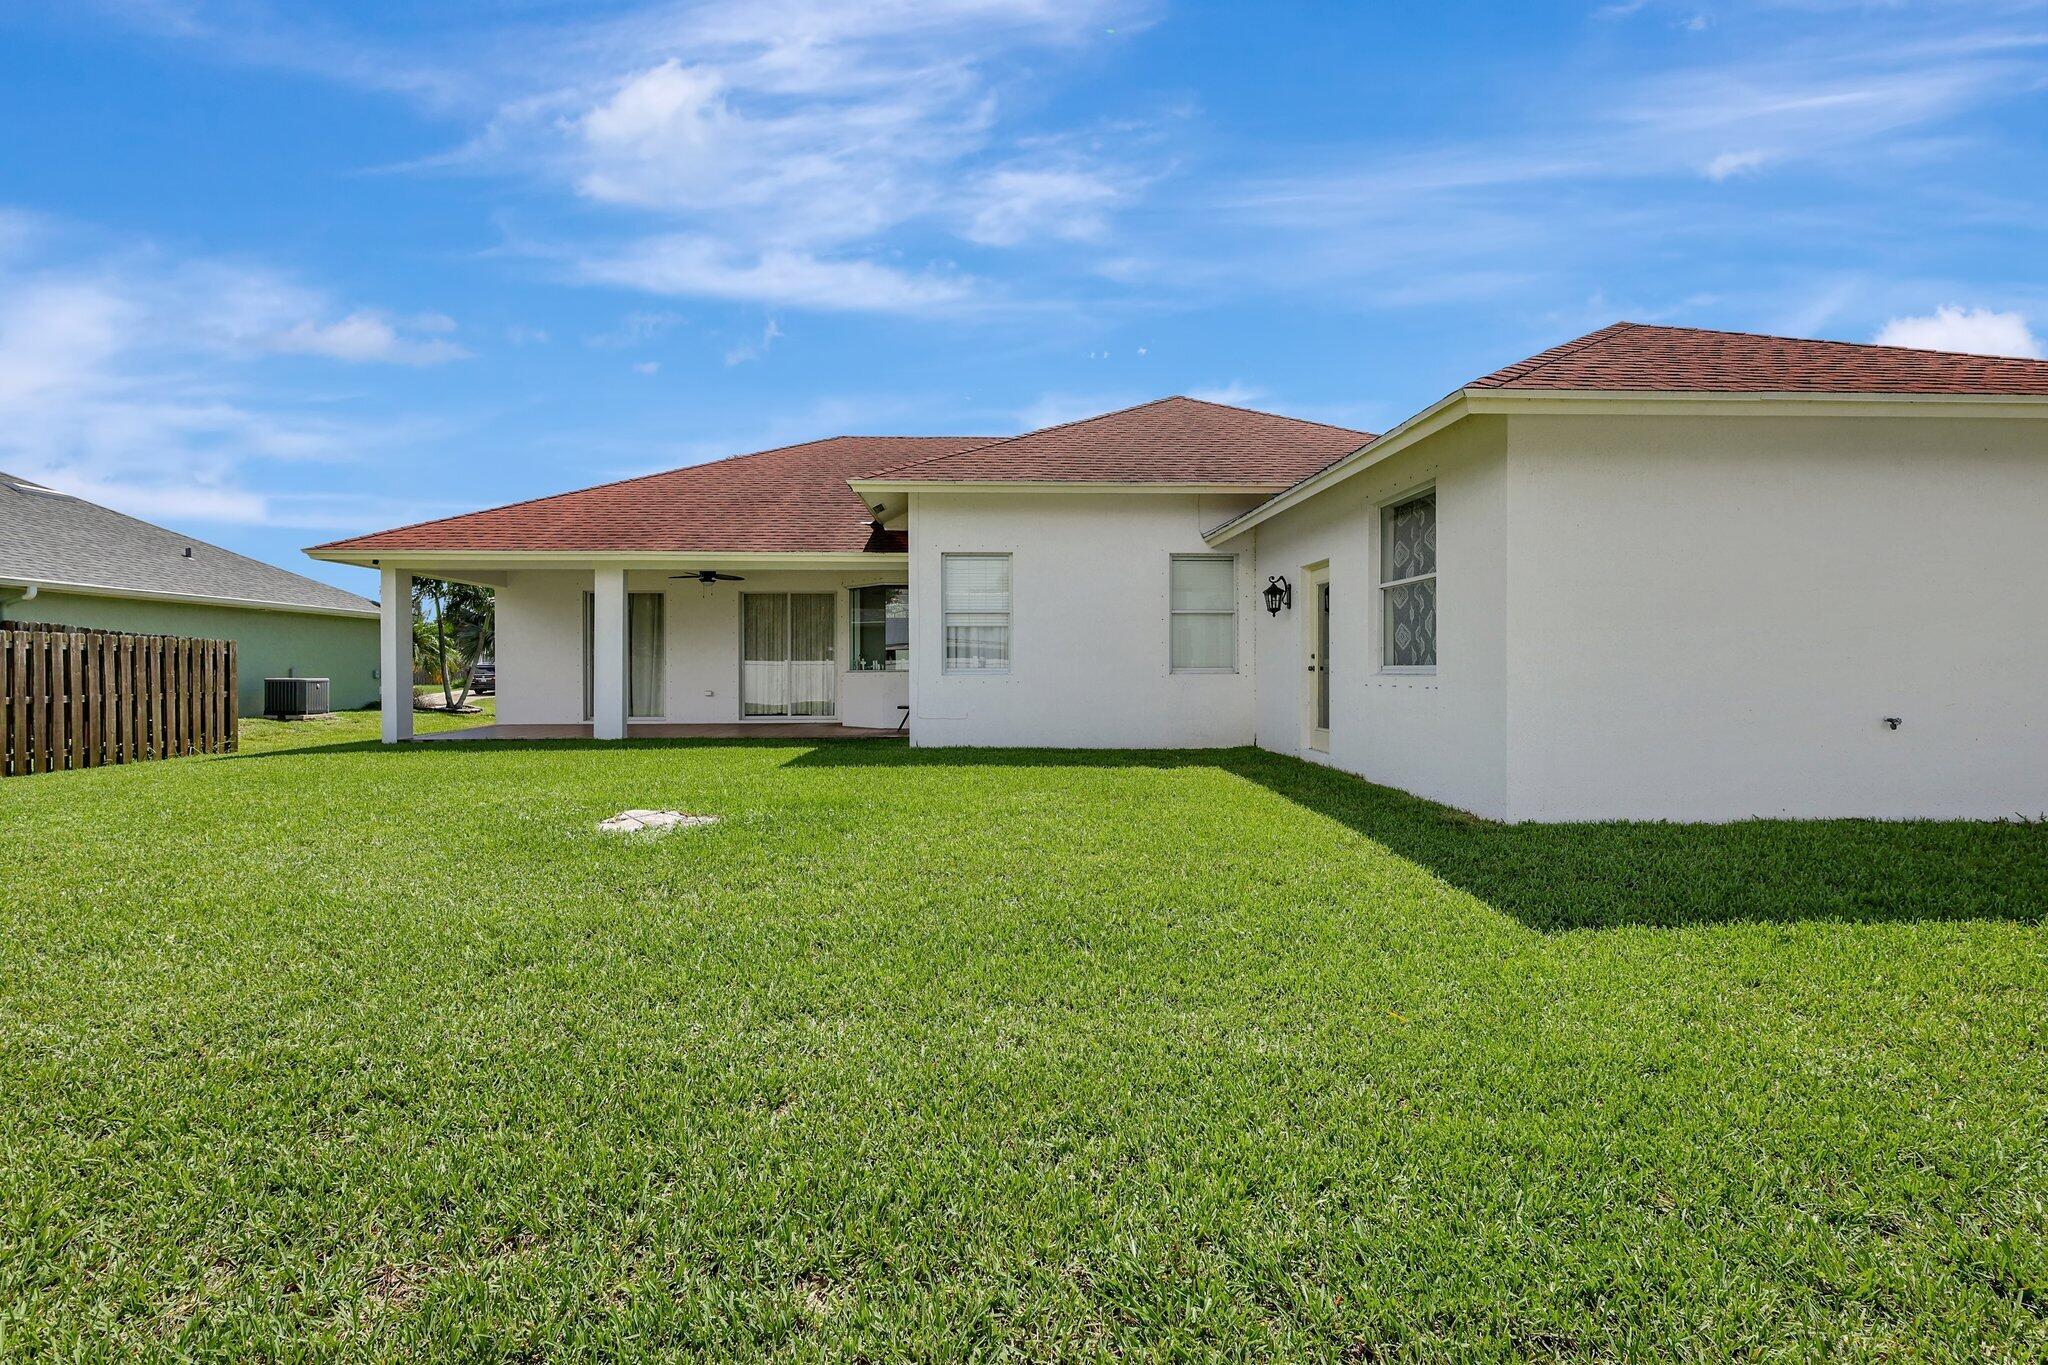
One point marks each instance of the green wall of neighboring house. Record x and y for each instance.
(270, 644)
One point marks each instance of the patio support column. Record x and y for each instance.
(608, 656)
(394, 649)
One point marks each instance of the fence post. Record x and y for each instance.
(16, 647)
(38, 705)
(234, 697)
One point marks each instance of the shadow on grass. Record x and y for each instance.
(1556, 878)
(1552, 878)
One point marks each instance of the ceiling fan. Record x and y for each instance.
(710, 576)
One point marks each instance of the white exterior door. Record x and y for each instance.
(1317, 639)
(786, 665)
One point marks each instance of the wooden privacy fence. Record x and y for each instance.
(83, 698)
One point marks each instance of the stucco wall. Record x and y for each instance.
(1089, 631)
(342, 649)
(1439, 735)
(1710, 618)
(540, 646)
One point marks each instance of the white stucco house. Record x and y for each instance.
(1651, 573)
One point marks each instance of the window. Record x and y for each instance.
(643, 654)
(880, 623)
(975, 606)
(787, 663)
(1202, 612)
(1408, 583)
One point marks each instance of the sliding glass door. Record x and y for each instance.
(786, 664)
(644, 699)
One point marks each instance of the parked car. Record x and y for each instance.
(484, 681)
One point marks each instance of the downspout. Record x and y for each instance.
(28, 594)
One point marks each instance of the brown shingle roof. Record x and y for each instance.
(1630, 356)
(793, 500)
(1169, 440)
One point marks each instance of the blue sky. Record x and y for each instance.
(278, 273)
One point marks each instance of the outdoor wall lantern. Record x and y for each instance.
(1279, 593)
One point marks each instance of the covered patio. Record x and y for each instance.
(808, 646)
(756, 594)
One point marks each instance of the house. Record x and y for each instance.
(1654, 572)
(73, 562)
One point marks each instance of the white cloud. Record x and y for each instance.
(690, 265)
(121, 379)
(1978, 331)
(229, 504)
(1608, 158)
(635, 329)
(1018, 204)
(778, 141)
(790, 138)
(520, 334)
(754, 350)
(1236, 394)
(1735, 163)
(1052, 409)
(55, 335)
(367, 336)
(647, 367)
(661, 107)
(17, 230)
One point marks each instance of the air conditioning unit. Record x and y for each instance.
(292, 698)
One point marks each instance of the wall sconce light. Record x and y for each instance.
(1279, 593)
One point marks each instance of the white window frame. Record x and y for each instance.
(1387, 510)
(853, 626)
(1173, 611)
(1009, 615)
(660, 655)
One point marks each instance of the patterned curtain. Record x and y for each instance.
(1410, 625)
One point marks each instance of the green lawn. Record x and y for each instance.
(328, 1051)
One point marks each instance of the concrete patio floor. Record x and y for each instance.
(663, 730)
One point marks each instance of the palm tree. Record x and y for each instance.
(452, 628)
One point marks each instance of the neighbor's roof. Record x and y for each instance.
(53, 539)
(793, 500)
(1632, 356)
(1167, 441)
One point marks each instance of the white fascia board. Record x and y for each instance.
(196, 598)
(424, 560)
(1699, 403)
(1612, 403)
(868, 486)
(1428, 422)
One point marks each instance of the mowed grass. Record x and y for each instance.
(326, 1051)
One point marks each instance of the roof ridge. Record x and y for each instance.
(1522, 369)
(1118, 412)
(632, 479)
(1836, 341)
(1018, 436)
(1261, 412)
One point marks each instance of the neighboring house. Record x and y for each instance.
(1652, 573)
(66, 560)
